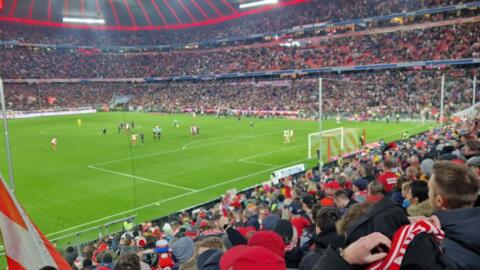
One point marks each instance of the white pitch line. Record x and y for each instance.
(179, 149)
(173, 198)
(395, 133)
(257, 163)
(141, 178)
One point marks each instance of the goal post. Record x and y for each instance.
(335, 142)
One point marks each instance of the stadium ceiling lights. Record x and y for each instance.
(258, 3)
(83, 20)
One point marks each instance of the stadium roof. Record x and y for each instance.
(130, 14)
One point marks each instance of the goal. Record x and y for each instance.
(334, 142)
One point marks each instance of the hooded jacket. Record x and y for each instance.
(421, 209)
(462, 236)
(385, 217)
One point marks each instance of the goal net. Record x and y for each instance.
(334, 142)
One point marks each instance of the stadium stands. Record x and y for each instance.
(310, 12)
(369, 47)
(406, 92)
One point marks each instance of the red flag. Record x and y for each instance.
(25, 245)
(51, 100)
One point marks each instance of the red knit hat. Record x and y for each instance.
(253, 258)
(231, 255)
(270, 240)
(332, 185)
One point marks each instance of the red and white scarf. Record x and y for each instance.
(401, 239)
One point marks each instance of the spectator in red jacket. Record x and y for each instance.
(388, 178)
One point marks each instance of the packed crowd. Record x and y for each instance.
(380, 93)
(447, 42)
(277, 19)
(412, 204)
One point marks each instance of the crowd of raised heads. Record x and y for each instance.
(456, 41)
(410, 93)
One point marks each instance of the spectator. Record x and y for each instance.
(342, 200)
(326, 237)
(329, 188)
(289, 234)
(397, 194)
(474, 164)
(210, 250)
(127, 262)
(418, 198)
(183, 250)
(388, 178)
(375, 191)
(360, 191)
(405, 193)
(421, 249)
(270, 240)
(254, 257)
(298, 221)
(453, 190)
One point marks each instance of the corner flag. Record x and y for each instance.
(25, 245)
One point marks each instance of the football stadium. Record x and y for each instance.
(239, 134)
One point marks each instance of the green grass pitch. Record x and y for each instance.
(93, 179)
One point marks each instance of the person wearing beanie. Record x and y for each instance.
(209, 252)
(269, 222)
(183, 250)
(209, 260)
(251, 257)
(285, 229)
(299, 221)
(329, 188)
(167, 230)
(359, 188)
(288, 233)
(426, 167)
(269, 240)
